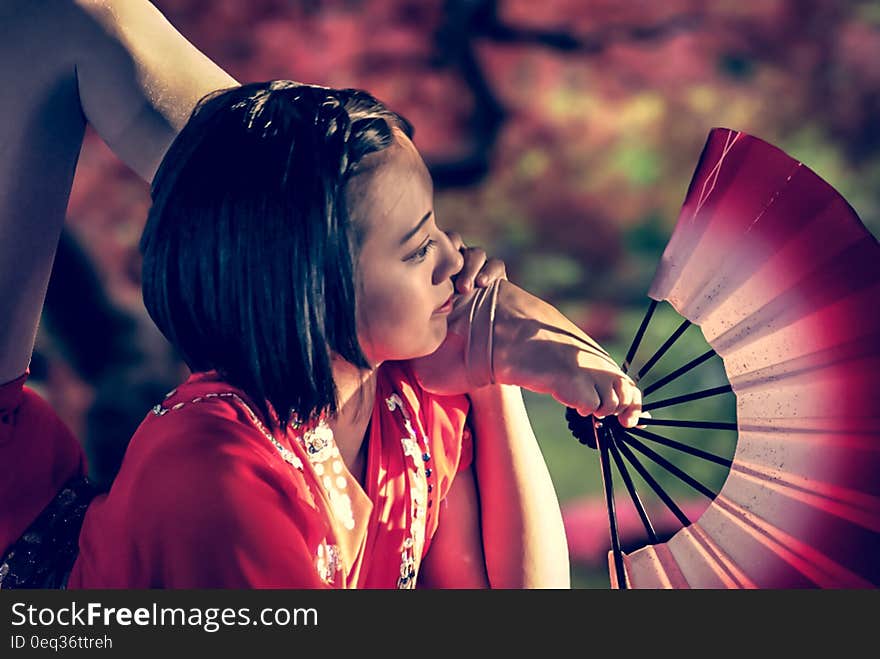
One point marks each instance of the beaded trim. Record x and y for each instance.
(420, 489)
(286, 454)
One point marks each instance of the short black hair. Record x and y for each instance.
(249, 252)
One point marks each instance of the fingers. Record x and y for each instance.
(618, 396)
(493, 269)
(580, 393)
(628, 414)
(474, 260)
(587, 404)
(609, 402)
(478, 269)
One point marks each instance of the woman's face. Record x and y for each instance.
(406, 262)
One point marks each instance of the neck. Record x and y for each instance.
(353, 385)
(356, 390)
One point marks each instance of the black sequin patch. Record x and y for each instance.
(44, 555)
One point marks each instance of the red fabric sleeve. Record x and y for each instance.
(38, 454)
(206, 505)
(239, 531)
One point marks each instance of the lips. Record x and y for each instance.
(446, 306)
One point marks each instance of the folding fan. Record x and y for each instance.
(783, 280)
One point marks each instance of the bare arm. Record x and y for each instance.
(116, 64)
(523, 535)
(456, 558)
(139, 79)
(505, 530)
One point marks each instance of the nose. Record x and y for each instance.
(451, 263)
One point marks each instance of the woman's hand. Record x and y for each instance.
(478, 270)
(536, 347)
(585, 381)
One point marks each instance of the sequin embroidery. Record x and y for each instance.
(325, 458)
(414, 543)
(318, 442)
(327, 562)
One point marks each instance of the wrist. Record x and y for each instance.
(485, 395)
(516, 326)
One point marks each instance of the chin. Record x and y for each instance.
(399, 350)
(439, 336)
(428, 347)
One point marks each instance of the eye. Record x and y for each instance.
(420, 254)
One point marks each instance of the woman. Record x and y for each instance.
(292, 257)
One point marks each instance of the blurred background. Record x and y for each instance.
(561, 135)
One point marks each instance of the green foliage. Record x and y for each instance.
(549, 272)
(647, 238)
(640, 165)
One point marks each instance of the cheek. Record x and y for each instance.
(395, 319)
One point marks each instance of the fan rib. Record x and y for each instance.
(811, 563)
(654, 567)
(634, 346)
(671, 443)
(676, 400)
(604, 441)
(652, 482)
(663, 349)
(715, 558)
(666, 464)
(666, 379)
(710, 425)
(856, 507)
(630, 487)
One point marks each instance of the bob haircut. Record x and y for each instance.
(249, 251)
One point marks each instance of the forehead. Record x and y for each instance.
(394, 191)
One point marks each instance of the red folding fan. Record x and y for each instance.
(783, 280)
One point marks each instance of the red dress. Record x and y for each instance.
(207, 498)
(38, 455)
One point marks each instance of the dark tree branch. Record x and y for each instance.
(455, 49)
(588, 44)
(468, 21)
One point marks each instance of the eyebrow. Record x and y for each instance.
(409, 234)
